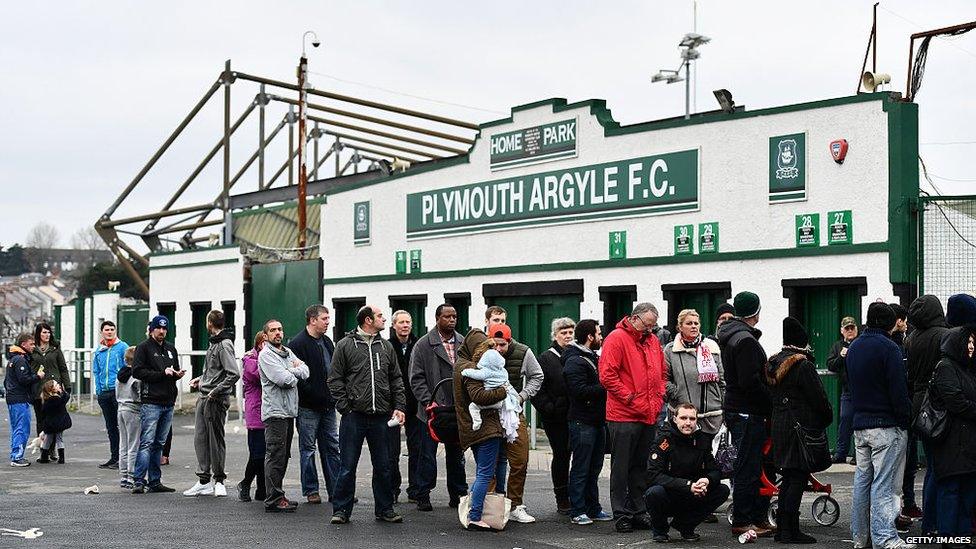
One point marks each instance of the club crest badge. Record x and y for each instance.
(786, 160)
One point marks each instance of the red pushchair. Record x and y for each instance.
(825, 509)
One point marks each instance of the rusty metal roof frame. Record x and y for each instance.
(359, 143)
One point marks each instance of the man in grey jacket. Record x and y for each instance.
(433, 360)
(280, 371)
(367, 385)
(216, 386)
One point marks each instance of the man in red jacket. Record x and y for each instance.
(632, 370)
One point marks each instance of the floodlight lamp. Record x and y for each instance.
(693, 39)
(675, 78)
(690, 54)
(724, 98)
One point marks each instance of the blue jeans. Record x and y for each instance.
(957, 496)
(353, 429)
(156, 421)
(880, 467)
(929, 492)
(587, 444)
(486, 459)
(318, 427)
(845, 428)
(19, 428)
(748, 436)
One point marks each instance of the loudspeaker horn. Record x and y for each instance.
(872, 80)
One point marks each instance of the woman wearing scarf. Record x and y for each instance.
(695, 373)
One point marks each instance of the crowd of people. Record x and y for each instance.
(653, 403)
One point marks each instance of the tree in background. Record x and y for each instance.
(12, 261)
(43, 235)
(87, 239)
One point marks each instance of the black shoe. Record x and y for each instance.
(281, 506)
(661, 538)
(423, 504)
(61, 456)
(624, 525)
(339, 518)
(243, 492)
(160, 489)
(641, 522)
(138, 489)
(390, 516)
(455, 502)
(260, 495)
(690, 536)
(110, 464)
(45, 457)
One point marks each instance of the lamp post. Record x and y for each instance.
(689, 53)
(302, 119)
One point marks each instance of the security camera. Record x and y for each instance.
(316, 43)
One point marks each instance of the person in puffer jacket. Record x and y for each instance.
(18, 383)
(367, 385)
(107, 360)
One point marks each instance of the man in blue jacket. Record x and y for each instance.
(17, 383)
(107, 360)
(882, 410)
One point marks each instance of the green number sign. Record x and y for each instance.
(415, 261)
(840, 229)
(787, 168)
(684, 236)
(401, 262)
(618, 244)
(807, 230)
(708, 238)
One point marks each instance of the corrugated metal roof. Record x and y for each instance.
(277, 226)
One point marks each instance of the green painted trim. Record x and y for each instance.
(902, 191)
(598, 108)
(201, 264)
(177, 252)
(137, 307)
(780, 253)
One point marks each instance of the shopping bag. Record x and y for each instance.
(495, 513)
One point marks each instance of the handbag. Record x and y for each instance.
(811, 444)
(931, 423)
(494, 513)
(727, 453)
(441, 418)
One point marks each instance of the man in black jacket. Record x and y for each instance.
(157, 366)
(587, 420)
(837, 363)
(746, 411)
(923, 347)
(317, 424)
(552, 403)
(685, 482)
(367, 386)
(403, 340)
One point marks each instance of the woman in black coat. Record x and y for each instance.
(797, 396)
(953, 389)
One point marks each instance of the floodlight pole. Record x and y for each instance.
(687, 89)
(302, 171)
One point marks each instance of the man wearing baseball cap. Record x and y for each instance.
(837, 363)
(747, 408)
(157, 366)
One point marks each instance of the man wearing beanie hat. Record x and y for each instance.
(724, 312)
(746, 410)
(882, 413)
(960, 310)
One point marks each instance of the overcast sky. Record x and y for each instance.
(89, 90)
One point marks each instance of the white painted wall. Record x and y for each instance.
(89, 337)
(733, 191)
(67, 329)
(104, 307)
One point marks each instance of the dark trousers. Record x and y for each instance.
(929, 492)
(37, 416)
(791, 490)
(415, 441)
(169, 443)
(587, 444)
(630, 444)
(278, 433)
(557, 431)
(353, 429)
(911, 467)
(110, 413)
(845, 427)
(254, 470)
(748, 436)
(956, 500)
(687, 509)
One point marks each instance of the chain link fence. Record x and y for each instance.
(947, 246)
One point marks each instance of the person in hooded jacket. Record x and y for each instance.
(798, 397)
(107, 360)
(552, 402)
(954, 456)
(18, 383)
(960, 310)
(924, 349)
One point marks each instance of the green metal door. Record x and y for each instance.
(199, 336)
(616, 305)
(344, 319)
(169, 311)
(531, 317)
(283, 291)
(703, 301)
(461, 304)
(415, 305)
(132, 323)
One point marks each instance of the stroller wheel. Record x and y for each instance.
(728, 513)
(826, 511)
(771, 513)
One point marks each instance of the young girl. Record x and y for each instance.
(54, 402)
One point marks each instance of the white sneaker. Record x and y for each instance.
(199, 489)
(219, 490)
(519, 514)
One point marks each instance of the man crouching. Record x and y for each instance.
(684, 479)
